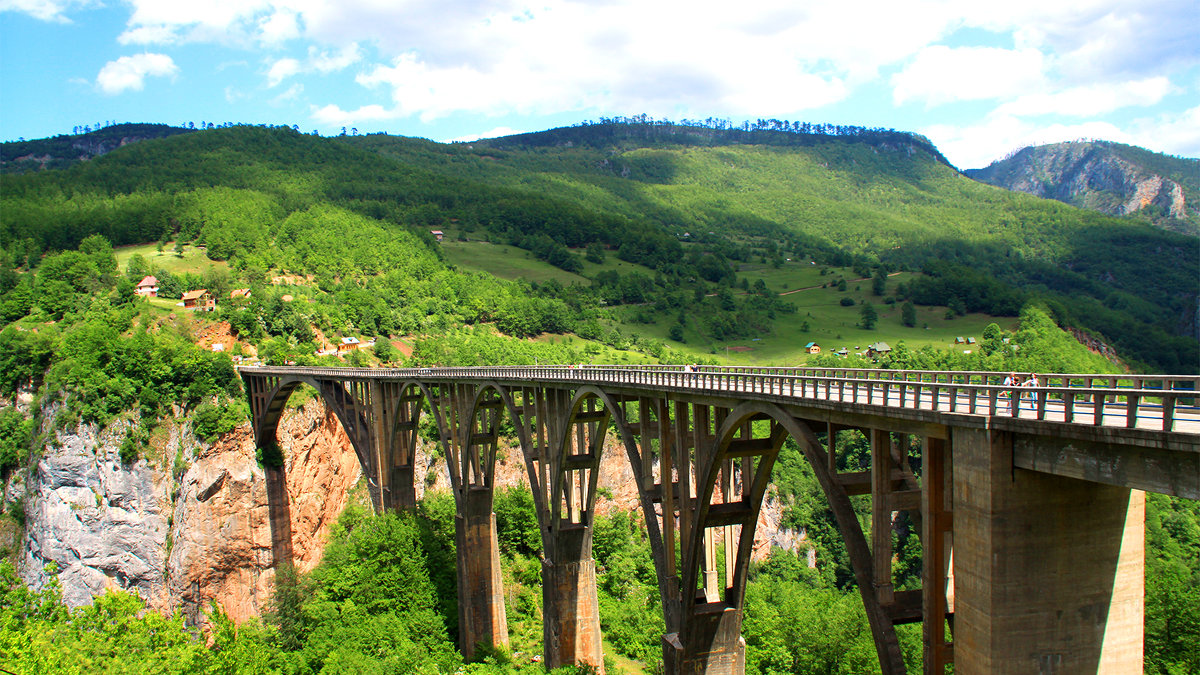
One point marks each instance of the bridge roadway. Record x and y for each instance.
(1030, 516)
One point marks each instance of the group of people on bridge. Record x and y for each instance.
(1012, 381)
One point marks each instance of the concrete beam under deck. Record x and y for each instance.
(1167, 470)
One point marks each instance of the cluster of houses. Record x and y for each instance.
(199, 300)
(873, 350)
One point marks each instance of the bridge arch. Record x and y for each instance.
(347, 404)
(730, 501)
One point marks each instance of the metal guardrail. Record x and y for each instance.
(1134, 401)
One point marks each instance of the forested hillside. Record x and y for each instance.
(690, 213)
(880, 198)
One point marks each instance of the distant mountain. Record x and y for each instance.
(1111, 178)
(64, 150)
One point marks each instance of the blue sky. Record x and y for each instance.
(980, 79)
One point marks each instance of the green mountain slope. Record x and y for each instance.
(691, 210)
(1111, 178)
(885, 199)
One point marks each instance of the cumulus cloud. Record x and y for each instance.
(318, 61)
(941, 74)
(977, 145)
(1092, 99)
(1173, 133)
(429, 59)
(130, 72)
(281, 70)
(491, 133)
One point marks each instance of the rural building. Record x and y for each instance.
(148, 287)
(843, 352)
(348, 344)
(812, 348)
(878, 348)
(199, 299)
(437, 234)
(239, 293)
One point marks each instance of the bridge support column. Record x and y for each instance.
(712, 644)
(1048, 570)
(571, 616)
(481, 617)
(403, 487)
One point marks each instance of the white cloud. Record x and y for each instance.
(281, 70)
(148, 35)
(978, 145)
(941, 74)
(318, 61)
(333, 115)
(292, 94)
(278, 27)
(433, 58)
(1176, 134)
(330, 61)
(130, 72)
(44, 10)
(1091, 100)
(491, 133)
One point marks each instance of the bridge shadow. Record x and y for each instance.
(280, 514)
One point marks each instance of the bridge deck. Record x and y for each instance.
(1149, 403)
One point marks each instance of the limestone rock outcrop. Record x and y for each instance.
(180, 541)
(101, 524)
(1108, 177)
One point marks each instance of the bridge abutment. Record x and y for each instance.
(481, 616)
(1048, 570)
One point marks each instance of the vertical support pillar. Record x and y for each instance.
(481, 616)
(571, 625)
(881, 514)
(937, 547)
(714, 643)
(381, 436)
(1048, 571)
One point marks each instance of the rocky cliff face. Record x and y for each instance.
(63, 151)
(181, 541)
(1107, 177)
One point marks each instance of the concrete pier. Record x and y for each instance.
(1048, 570)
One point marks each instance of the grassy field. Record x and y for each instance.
(510, 262)
(505, 262)
(193, 259)
(831, 326)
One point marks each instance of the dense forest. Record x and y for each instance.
(333, 238)
(863, 198)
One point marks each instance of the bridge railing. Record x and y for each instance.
(1153, 401)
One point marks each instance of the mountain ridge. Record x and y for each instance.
(1108, 177)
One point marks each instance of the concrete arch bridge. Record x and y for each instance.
(1029, 502)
